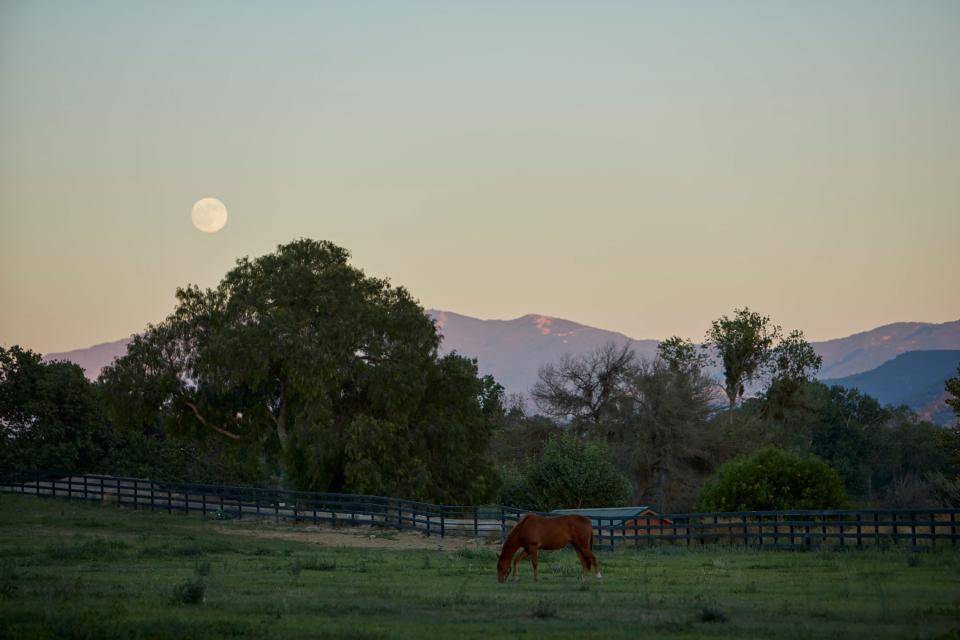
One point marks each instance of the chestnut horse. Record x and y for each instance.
(533, 533)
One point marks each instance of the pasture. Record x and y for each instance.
(71, 570)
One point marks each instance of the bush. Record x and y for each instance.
(190, 592)
(515, 490)
(569, 474)
(909, 492)
(772, 479)
(946, 491)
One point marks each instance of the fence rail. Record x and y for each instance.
(781, 529)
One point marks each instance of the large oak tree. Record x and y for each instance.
(333, 375)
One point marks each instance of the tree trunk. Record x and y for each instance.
(281, 419)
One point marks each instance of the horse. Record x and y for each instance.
(533, 533)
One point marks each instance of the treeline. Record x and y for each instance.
(298, 370)
(672, 433)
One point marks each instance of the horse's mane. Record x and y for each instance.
(515, 531)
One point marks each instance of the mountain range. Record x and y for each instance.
(514, 350)
(914, 378)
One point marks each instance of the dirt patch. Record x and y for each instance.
(363, 537)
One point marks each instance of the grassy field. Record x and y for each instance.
(69, 570)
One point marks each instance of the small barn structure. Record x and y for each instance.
(635, 521)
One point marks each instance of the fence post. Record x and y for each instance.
(503, 523)
(933, 529)
(443, 520)
(476, 522)
(913, 528)
(203, 503)
(859, 532)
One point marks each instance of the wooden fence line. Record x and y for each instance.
(796, 529)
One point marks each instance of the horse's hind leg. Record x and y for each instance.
(592, 559)
(584, 561)
(516, 564)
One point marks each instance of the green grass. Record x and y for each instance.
(69, 570)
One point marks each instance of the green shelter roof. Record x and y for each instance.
(614, 513)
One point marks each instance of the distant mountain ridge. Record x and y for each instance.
(93, 359)
(915, 378)
(869, 349)
(512, 351)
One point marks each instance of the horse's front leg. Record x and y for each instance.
(516, 564)
(533, 561)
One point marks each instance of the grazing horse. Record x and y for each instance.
(533, 533)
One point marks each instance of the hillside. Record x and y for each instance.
(914, 379)
(869, 349)
(92, 359)
(513, 350)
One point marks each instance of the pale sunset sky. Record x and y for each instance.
(638, 166)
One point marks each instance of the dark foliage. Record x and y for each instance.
(772, 479)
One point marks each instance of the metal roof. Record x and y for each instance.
(614, 513)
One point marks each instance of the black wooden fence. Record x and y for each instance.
(781, 529)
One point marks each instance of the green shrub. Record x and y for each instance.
(544, 609)
(312, 564)
(515, 490)
(190, 592)
(772, 479)
(710, 614)
(571, 473)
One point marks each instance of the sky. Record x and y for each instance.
(638, 166)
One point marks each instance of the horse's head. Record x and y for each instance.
(503, 569)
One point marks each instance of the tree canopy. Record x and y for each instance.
(312, 366)
(586, 388)
(771, 479)
(952, 387)
(749, 347)
(571, 473)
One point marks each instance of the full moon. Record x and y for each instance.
(209, 215)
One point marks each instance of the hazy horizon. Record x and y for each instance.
(643, 168)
